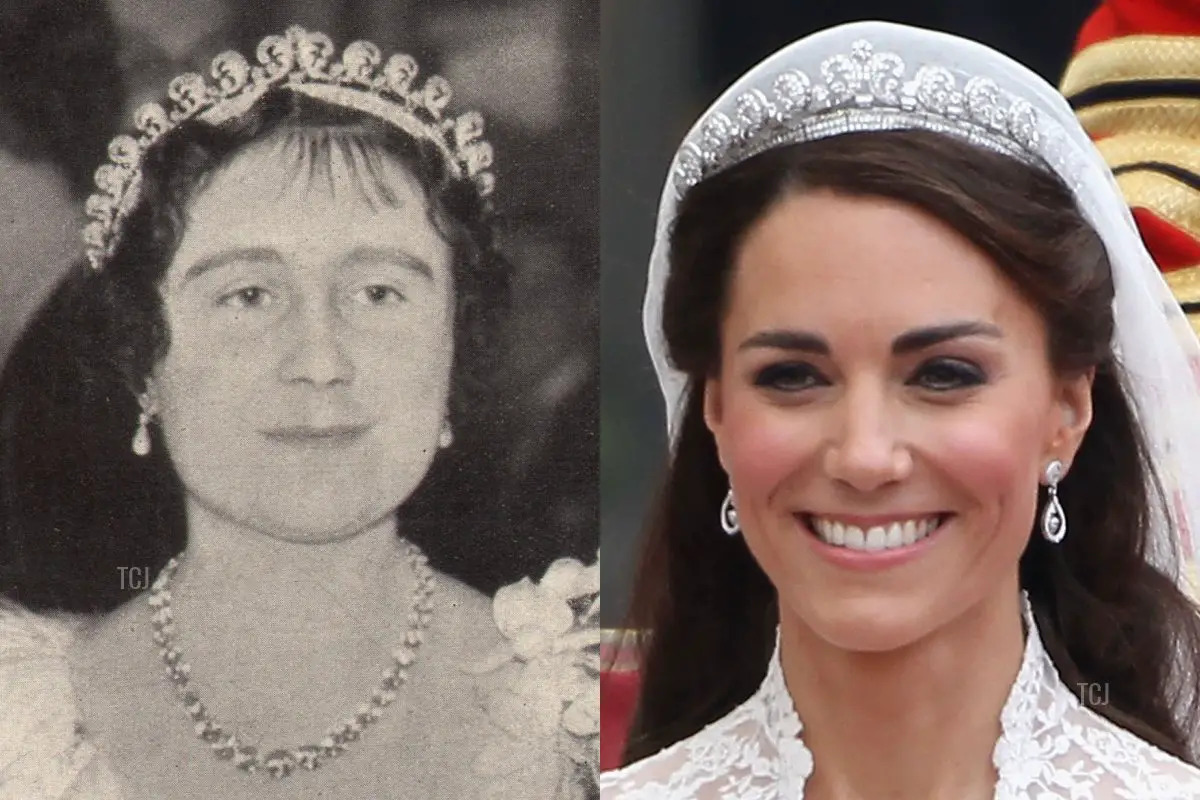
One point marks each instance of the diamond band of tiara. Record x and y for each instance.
(863, 90)
(303, 62)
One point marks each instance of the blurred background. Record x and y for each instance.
(663, 62)
(73, 71)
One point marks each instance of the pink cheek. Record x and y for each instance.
(988, 461)
(986, 457)
(763, 448)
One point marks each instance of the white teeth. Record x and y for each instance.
(876, 538)
(854, 537)
(879, 537)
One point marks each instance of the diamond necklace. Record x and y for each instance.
(280, 763)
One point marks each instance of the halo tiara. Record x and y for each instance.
(303, 62)
(862, 90)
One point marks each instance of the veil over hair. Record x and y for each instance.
(877, 76)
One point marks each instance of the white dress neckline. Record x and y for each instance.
(1050, 746)
(533, 704)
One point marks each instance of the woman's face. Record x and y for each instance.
(881, 381)
(311, 340)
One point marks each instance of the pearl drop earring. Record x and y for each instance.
(141, 437)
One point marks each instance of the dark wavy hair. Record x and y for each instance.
(1105, 614)
(76, 506)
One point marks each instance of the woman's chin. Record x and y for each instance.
(327, 525)
(310, 534)
(306, 505)
(315, 518)
(878, 624)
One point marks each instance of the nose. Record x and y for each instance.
(865, 451)
(315, 353)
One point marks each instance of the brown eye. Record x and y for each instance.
(948, 374)
(380, 294)
(246, 297)
(789, 377)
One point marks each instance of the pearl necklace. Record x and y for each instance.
(280, 763)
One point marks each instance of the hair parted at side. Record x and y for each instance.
(1104, 613)
(76, 505)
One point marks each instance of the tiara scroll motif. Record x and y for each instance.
(865, 90)
(304, 62)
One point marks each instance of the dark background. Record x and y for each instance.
(663, 62)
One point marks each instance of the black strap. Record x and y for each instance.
(1135, 90)
(1185, 176)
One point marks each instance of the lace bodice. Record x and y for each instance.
(1051, 746)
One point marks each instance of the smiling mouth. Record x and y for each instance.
(876, 537)
(331, 436)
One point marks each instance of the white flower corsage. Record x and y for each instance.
(549, 700)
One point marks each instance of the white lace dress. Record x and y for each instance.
(1050, 747)
(543, 707)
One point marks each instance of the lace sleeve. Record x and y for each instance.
(42, 753)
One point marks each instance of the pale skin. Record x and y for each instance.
(876, 365)
(291, 304)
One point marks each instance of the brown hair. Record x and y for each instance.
(1104, 613)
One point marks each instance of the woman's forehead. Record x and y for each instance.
(822, 255)
(309, 198)
(340, 163)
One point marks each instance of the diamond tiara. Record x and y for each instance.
(863, 90)
(303, 62)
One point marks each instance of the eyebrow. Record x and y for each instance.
(923, 338)
(907, 342)
(271, 255)
(392, 255)
(226, 257)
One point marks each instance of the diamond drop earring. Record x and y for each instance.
(446, 437)
(729, 516)
(1054, 519)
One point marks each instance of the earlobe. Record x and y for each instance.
(1080, 403)
(148, 397)
(712, 404)
(713, 413)
(1075, 403)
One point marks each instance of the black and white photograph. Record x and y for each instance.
(299, 399)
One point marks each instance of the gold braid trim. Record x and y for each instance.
(1121, 151)
(1134, 148)
(1132, 58)
(1160, 116)
(1175, 202)
(1185, 285)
